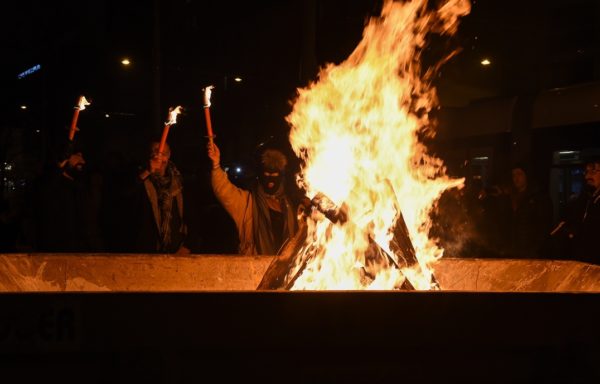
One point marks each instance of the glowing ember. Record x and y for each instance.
(356, 130)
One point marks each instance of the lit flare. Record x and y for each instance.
(172, 120)
(207, 96)
(81, 104)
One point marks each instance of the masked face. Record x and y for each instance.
(270, 180)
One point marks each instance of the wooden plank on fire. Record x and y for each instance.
(289, 264)
(283, 262)
(401, 245)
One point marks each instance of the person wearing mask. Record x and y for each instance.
(263, 215)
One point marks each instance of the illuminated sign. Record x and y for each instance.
(29, 71)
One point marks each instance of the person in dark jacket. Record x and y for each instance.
(531, 218)
(67, 210)
(582, 226)
(158, 206)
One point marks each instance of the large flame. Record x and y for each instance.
(356, 130)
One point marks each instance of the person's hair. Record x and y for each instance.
(153, 149)
(522, 165)
(591, 160)
(273, 159)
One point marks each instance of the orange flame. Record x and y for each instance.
(173, 112)
(207, 95)
(356, 131)
(83, 102)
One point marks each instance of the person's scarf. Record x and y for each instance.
(262, 232)
(167, 188)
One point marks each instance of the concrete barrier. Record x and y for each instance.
(193, 273)
(169, 319)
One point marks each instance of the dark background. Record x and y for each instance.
(178, 47)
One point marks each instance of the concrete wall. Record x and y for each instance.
(167, 273)
(129, 273)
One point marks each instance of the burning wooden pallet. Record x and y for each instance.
(290, 262)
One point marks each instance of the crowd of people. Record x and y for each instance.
(142, 209)
(144, 212)
(516, 221)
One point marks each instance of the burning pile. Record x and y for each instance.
(356, 131)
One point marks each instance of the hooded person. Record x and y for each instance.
(263, 215)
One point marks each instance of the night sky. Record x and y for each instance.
(178, 47)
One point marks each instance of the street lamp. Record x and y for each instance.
(125, 61)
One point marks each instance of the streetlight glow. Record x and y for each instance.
(237, 79)
(125, 61)
(23, 107)
(486, 62)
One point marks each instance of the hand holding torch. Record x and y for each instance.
(79, 107)
(207, 94)
(172, 119)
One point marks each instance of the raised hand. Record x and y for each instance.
(214, 154)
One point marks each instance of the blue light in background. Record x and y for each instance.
(29, 71)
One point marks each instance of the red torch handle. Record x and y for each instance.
(73, 128)
(163, 139)
(208, 124)
(73, 124)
